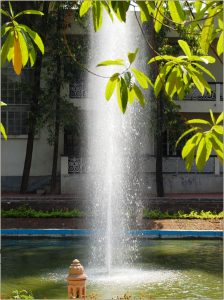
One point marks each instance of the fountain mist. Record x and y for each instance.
(115, 147)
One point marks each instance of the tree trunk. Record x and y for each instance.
(34, 108)
(57, 117)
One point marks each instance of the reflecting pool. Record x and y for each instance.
(164, 269)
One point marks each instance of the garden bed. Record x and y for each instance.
(85, 223)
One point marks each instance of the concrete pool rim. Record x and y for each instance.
(157, 234)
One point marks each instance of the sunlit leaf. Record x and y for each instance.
(212, 116)
(201, 154)
(144, 12)
(186, 133)
(218, 129)
(2, 103)
(159, 16)
(111, 62)
(176, 11)
(184, 46)
(23, 47)
(198, 121)
(34, 36)
(111, 86)
(86, 5)
(206, 34)
(97, 13)
(220, 118)
(29, 12)
(191, 144)
(220, 44)
(204, 70)
(3, 132)
(198, 84)
(142, 79)
(6, 47)
(132, 56)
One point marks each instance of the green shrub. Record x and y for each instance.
(27, 212)
(157, 214)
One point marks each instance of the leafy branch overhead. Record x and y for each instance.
(125, 83)
(19, 41)
(207, 138)
(178, 73)
(200, 19)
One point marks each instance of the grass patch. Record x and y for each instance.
(27, 212)
(157, 214)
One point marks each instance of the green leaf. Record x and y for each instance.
(198, 84)
(132, 56)
(122, 9)
(217, 146)
(29, 12)
(2, 103)
(220, 44)
(212, 116)
(218, 129)
(5, 28)
(111, 62)
(86, 5)
(176, 11)
(8, 44)
(197, 5)
(189, 160)
(127, 78)
(170, 86)
(220, 118)
(144, 15)
(201, 154)
(159, 16)
(122, 95)
(23, 47)
(111, 86)
(207, 30)
(204, 70)
(34, 36)
(11, 10)
(162, 57)
(208, 147)
(97, 13)
(2, 129)
(191, 144)
(131, 95)
(198, 121)
(4, 12)
(160, 79)
(184, 46)
(186, 133)
(108, 9)
(142, 79)
(139, 95)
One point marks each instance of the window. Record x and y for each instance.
(169, 145)
(16, 94)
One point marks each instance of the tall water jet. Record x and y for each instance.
(116, 144)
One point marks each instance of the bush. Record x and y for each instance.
(157, 214)
(27, 212)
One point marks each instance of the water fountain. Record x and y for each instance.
(115, 148)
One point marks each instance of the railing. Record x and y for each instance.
(216, 93)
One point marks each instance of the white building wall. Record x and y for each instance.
(13, 156)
